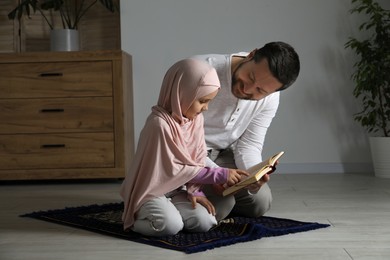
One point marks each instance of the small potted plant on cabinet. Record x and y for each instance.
(70, 11)
(372, 80)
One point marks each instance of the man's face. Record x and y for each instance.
(254, 81)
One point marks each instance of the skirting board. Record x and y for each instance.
(325, 168)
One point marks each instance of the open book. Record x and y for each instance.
(255, 174)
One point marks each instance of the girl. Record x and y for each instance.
(162, 191)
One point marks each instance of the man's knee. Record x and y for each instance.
(262, 201)
(223, 205)
(253, 205)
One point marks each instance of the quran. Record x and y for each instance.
(255, 174)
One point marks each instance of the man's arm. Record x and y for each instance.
(210, 163)
(249, 147)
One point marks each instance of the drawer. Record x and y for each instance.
(55, 79)
(36, 151)
(56, 115)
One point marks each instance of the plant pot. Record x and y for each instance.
(380, 151)
(64, 40)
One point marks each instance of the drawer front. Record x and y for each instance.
(56, 151)
(55, 79)
(56, 115)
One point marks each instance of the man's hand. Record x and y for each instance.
(255, 187)
(204, 202)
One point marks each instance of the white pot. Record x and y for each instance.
(64, 40)
(380, 151)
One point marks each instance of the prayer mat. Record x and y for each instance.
(106, 219)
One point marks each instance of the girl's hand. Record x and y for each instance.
(235, 176)
(204, 202)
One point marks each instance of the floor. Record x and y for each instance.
(356, 205)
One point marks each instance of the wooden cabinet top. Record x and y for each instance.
(61, 56)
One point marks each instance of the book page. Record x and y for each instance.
(256, 173)
(269, 162)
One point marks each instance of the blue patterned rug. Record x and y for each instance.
(106, 219)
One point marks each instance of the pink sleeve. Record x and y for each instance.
(208, 175)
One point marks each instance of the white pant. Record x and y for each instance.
(167, 216)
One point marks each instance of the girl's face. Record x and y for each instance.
(199, 105)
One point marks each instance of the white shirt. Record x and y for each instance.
(236, 123)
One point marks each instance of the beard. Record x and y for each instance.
(237, 89)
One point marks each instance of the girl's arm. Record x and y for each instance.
(208, 175)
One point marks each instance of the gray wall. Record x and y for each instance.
(314, 124)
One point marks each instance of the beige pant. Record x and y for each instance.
(164, 216)
(242, 203)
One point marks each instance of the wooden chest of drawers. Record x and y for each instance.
(65, 115)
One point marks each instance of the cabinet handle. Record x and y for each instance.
(53, 110)
(47, 146)
(51, 74)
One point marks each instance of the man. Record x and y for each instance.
(238, 118)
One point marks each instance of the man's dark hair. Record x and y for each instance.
(283, 62)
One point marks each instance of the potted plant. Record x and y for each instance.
(70, 11)
(371, 76)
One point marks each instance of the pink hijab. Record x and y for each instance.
(171, 148)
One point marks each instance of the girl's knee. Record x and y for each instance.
(160, 225)
(172, 225)
(158, 217)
